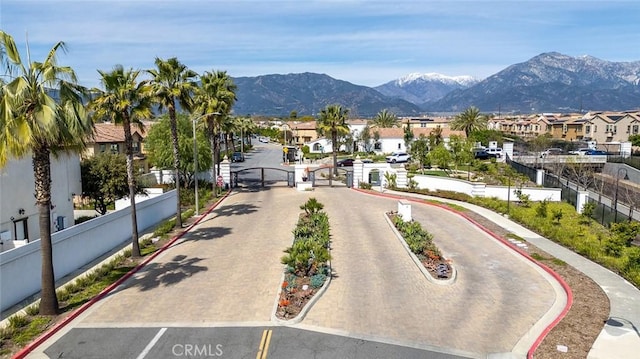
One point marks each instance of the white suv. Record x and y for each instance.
(497, 151)
(398, 157)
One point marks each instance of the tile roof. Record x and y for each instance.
(397, 132)
(106, 132)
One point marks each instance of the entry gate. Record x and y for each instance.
(325, 176)
(263, 177)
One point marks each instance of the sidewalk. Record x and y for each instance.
(620, 337)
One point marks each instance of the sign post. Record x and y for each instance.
(219, 183)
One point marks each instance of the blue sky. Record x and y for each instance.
(366, 42)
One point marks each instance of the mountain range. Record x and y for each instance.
(549, 82)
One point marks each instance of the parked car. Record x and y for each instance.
(595, 153)
(398, 157)
(580, 151)
(237, 157)
(264, 139)
(496, 152)
(345, 162)
(551, 152)
(482, 154)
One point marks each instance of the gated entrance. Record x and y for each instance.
(263, 177)
(325, 176)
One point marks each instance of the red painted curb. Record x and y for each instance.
(74, 314)
(555, 275)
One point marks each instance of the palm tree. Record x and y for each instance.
(33, 122)
(333, 121)
(470, 120)
(125, 101)
(385, 119)
(214, 99)
(173, 81)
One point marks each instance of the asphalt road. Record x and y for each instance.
(264, 155)
(224, 342)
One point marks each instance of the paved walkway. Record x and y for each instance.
(620, 337)
(379, 292)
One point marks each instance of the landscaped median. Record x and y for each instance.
(419, 245)
(308, 268)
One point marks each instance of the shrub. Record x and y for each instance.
(18, 321)
(541, 210)
(312, 206)
(317, 280)
(587, 210)
(557, 215)
(364, 185)
(391, 180)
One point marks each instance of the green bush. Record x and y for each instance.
(364, 185)
(310, 249)
(317, 280)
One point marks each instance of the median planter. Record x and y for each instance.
(308, 270)
(419, 244)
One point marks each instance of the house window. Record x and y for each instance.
(136, 147)
(377, 146)
(564, 128)
(399, 146)
(610, 128)
(317, 147)
(587, 129)
(635, 129)
(628, 128)
(595, 128)
(423, 125)
(114, 148)
(21, 229)
(103, 147)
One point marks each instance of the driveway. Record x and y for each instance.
(379, 292)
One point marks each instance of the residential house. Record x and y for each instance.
(568, 127)
(19, 217)
(110, 137)
(611, 126)
(392, 139)
(426, 122)
(304, 132)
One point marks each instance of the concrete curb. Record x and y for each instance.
(298, 318)
(425, 272)
(74, 314)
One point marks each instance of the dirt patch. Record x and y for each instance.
(590, 310)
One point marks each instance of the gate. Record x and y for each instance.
(325, 176)
(263, 177)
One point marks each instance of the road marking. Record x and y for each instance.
(263, 349)
(153, 342)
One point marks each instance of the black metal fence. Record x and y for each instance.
(603, 213)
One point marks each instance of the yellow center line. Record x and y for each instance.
(263, 349)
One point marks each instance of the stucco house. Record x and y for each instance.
(110, 137)
(18, 212)
(392, 139)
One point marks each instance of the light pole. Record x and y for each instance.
(195, 163)
(615, 197)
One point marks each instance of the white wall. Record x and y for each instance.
(434, 183)
(76, 247)
(17, 187)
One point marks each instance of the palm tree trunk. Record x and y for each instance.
(42, 175)
(176, 162)
(128, 140)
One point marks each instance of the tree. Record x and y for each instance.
(32, 122)
(214, 99)
(104, 180)
(365, 138)
(408, 136)
(333, 122)
(125, 101)
(435, 137)
(440, 156)
(385, 119)
(469, 120)
(173, 81)
(460, 150)
(161, 152)
(420, 150)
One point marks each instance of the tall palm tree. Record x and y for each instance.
(214, 100)
(173, 81)
(126, 102)
(385, 119)
(333, 122)
(470, 120)
(32, 122)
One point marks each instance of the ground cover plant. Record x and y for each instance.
(306, 260)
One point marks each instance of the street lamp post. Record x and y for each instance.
(615, 197)
(195, 163)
